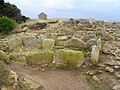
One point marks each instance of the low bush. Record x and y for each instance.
(7, 24)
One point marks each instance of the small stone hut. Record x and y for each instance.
(43, 16)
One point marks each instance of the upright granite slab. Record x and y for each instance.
(40, 57)
(69, 57)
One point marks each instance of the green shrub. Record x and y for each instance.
(6, 24)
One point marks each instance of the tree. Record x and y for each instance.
(1, 2)
(11, 11)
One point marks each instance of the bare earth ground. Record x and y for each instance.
(58, 79)
(64, 79)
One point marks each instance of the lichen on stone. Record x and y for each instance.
(40, 57)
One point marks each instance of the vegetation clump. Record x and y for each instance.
(4, 73)
(7, 24)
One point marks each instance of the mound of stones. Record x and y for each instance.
(39, 50)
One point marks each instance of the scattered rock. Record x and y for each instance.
(116, 87)
(63, 38)
(117, 75)
(96, 79)
(111, 70)
(90, 73)
(111, 63)
(116, 67)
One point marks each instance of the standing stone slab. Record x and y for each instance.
(48, 44)
(30, 41)
(40, 58)
(69, 57)
(95, 54)
(41, 38)
(15, 42)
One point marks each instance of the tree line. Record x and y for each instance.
(11, 11)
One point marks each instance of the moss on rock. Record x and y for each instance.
(69, 57)
(48, 44)
(15, 42)
(40, 58)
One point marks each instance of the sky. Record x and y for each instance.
(108, 10)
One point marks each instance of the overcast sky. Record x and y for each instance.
(108, 10)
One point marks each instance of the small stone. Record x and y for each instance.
(111, 63)
(96, 78)
(90, 73)
(101, 65)
(117, 75)
(100, 71)
(118, 58)
(116, 87)
(109, 69)
(116, 67)
(63, 38)
(43, 69)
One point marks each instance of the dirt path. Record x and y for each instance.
(58, 79)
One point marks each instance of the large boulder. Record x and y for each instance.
(30, 41)
(88, 37)
(75, 43)
(15, 42)
(48, 44)
(69, 58)
(40, 58)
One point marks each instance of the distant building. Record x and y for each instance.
(42, 15)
